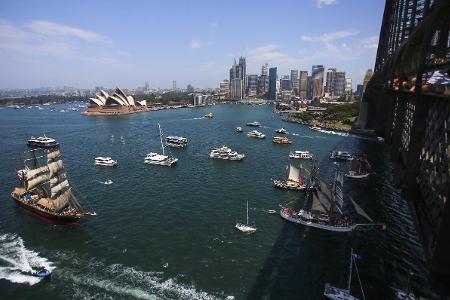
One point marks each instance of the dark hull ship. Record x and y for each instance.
(46, 191)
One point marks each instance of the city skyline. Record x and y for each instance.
(53, 44)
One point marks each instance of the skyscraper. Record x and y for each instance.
(330, 82)
(339, 84)
(348, 87)
(243, 76)
(273, 83)
(285, 83)
(294, 82)
(309, 91)
(236, 82)
(303, 84)
(265, 70)
(263, 85)
(317, 80)
(224, 86)
(252, 85)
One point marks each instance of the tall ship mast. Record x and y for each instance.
(46, 190)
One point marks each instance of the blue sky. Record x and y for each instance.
(125, 43)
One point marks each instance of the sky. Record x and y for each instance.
(89, 43)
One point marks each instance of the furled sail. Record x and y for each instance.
(36, 181)
(62, 201)
(33, 172)
(57, 178)
(338, 197)
(54, 167)
(56, 189)
(294, 173)
(53, 155)
(360, 211)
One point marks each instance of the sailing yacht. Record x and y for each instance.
(334, 293)
(321, 213)
(245, 228)
(160, 159)
(46, 190)
(293, 180)
(359, 168)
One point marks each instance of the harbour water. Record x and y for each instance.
(168, 233)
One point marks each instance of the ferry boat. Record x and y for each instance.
(154, 158)
(42, 142)
(359, 168)
(225, 153)
(256, 134)
(46, 190)
(239, 129)
(281, 140)
(341, 155)
(301, 154)
(281, 130)
(176, 141)
(254, 124)
(209, 115)
(293, 180)
(105, 161)
(315, 128)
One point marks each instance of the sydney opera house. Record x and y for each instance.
(116, 104)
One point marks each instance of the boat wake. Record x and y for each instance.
(346, 134)
(17, 263)
(92, 278)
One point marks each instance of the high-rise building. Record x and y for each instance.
(236, 82)
(369, 74)
(224, 87)
(252, 85)
(359, 90)
(348, 87)
(339, 84)
(309, 91)
(303, 84)
(285, 83)
(243, 76)
(263, 85)
(294, 82)
(273, 83)
(330, 82)
(317, 80)
(174, 86)
(265, 70)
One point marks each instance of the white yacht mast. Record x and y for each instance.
(160, 137)
(247, 212)
(350, 273)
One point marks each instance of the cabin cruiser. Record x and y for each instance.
(105, 161)
(281, 140)
(281, 130)
(225, 153)
(209, 115)
(315, 128)
(254, 124)
(256, 134)
(176, 141)
(341, 155)
(158, 159)
(239, 129)
(42, 142)
(300, 154)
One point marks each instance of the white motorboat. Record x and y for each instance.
(176, 141)
(315, 128)
(245, 228)
(42, 142)
(301, 154)
(225, 153)
(105, 161)
(281, 130)
(239, 129)
(341, 155)
(254, 124)
(256, 134)
(154, 158)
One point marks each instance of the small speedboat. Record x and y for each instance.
(254, 124)
(239, 129)
(281, 130)
(43, 272)
(108, 182)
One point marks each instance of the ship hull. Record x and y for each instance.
(45, 146)
(282, 185)
(64, 219)
(317, 225)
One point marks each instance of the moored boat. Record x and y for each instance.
(281, 130)
(359, 168)
(315, 128)
(245, 228)
(154, 158)
(301, 154)
(341, 155)
(176, 141)
(105, 161)
(293, 180)
(256, 134)
(209, 115)
(254, 124)
(281, 140)
(239, 129)
(42, 142)
(225, 153)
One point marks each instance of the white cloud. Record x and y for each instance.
(266, 53)
(331, 36)
(322, 3)
(56, 41)
(195, 45)
(370, 42)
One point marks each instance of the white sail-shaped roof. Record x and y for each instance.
(130, 100)
(120, 94)
(142, 102)
(115, 100)
(95, 101)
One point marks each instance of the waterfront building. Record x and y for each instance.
(201, 99)
(303, 84)
(252, 85)
(224, 87)
(348, 87)
(339, 84)
(286, 95)
(330, 82)
(272, 84)
(263, 85)
(317, 80)
(294, 82)
(116, 104)
(367, 76)
(243, 75)
(236, 82)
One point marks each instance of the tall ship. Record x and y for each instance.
(359, 168)
(293, 181)
(341, 155)
(225, 153)
(42, 142)
(154, 158)
(256, 134)
(325, 209)
(45, 190)
(176, 141)
(281, 140)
